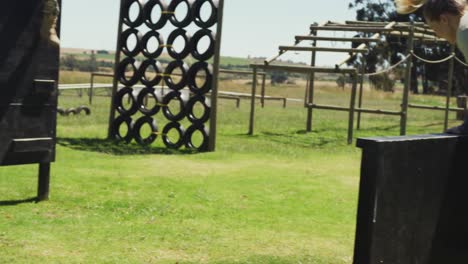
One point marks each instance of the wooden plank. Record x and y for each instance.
(410, 209)
(354, 28)
(440, 108)
(406, 90)
(252, 103)
(239, 72)
(324, 49)
(361, 110)
(362, 46)
(272, 59)
(302, 69)
(321, 38)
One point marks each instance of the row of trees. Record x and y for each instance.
(392, 50)
(70, 62)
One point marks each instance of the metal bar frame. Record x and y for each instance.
(116, 66)
(214, 90)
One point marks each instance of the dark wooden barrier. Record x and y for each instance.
(29, 59)
(413, 201)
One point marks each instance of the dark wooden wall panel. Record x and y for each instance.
(412, 201)
(27, 107)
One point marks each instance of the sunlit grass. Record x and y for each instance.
(280, 196)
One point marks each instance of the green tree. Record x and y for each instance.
(394, 47)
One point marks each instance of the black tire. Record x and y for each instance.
(158, 70)
(156, 25)
(187, 20)
(180, 130)
(119, 121)
(174, 117)
(192, 77)
(189, 134)
(119, 102)
(206, 109)
(85, 109)
(126, 17)
(71, 111)
(121, 72)
(60, 111)
(170, 69)
(137, 130)
(144, 44)
(125, 36)
(170, 42)
(211, 48)
(141, 98)
(196, 13)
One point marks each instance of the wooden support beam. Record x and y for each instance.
(406, 90)
(252, 102)
(323, 49)
(422, 24)
(420, 36)
(378, 112)
(439, 108)
(272, 59)
(308, 37)
(237, 72)
(354, 28)
(357, 110)
(389, 26)
(302, 69)
(450, 87)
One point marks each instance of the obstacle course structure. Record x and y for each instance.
(29, 64)
(415, 33)
(148, 30)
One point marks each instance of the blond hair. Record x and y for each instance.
(432, 9)
(408, 6)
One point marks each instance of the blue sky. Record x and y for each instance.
(251, 27)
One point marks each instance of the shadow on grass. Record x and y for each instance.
(113, 147)
(377, 128)
(301, 139)
(17, 202)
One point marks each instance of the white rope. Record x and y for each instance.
(388, 69)
(461, 62)
(430, 61)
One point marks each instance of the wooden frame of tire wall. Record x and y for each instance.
(157, 25)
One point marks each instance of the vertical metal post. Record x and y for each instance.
(405, 99)
(91, 88)
(263, 89)
(450, 87)
(252, 102)
(43, 182)
(214, 90)
(361, 88)
(354, 78)
(311, 89)
(116, 68)
(306, 96)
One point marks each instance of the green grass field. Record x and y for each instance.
(280, 196)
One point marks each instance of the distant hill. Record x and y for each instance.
(227, 62)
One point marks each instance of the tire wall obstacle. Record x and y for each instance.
(152, 40)
(29, 64)
(412, 200)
